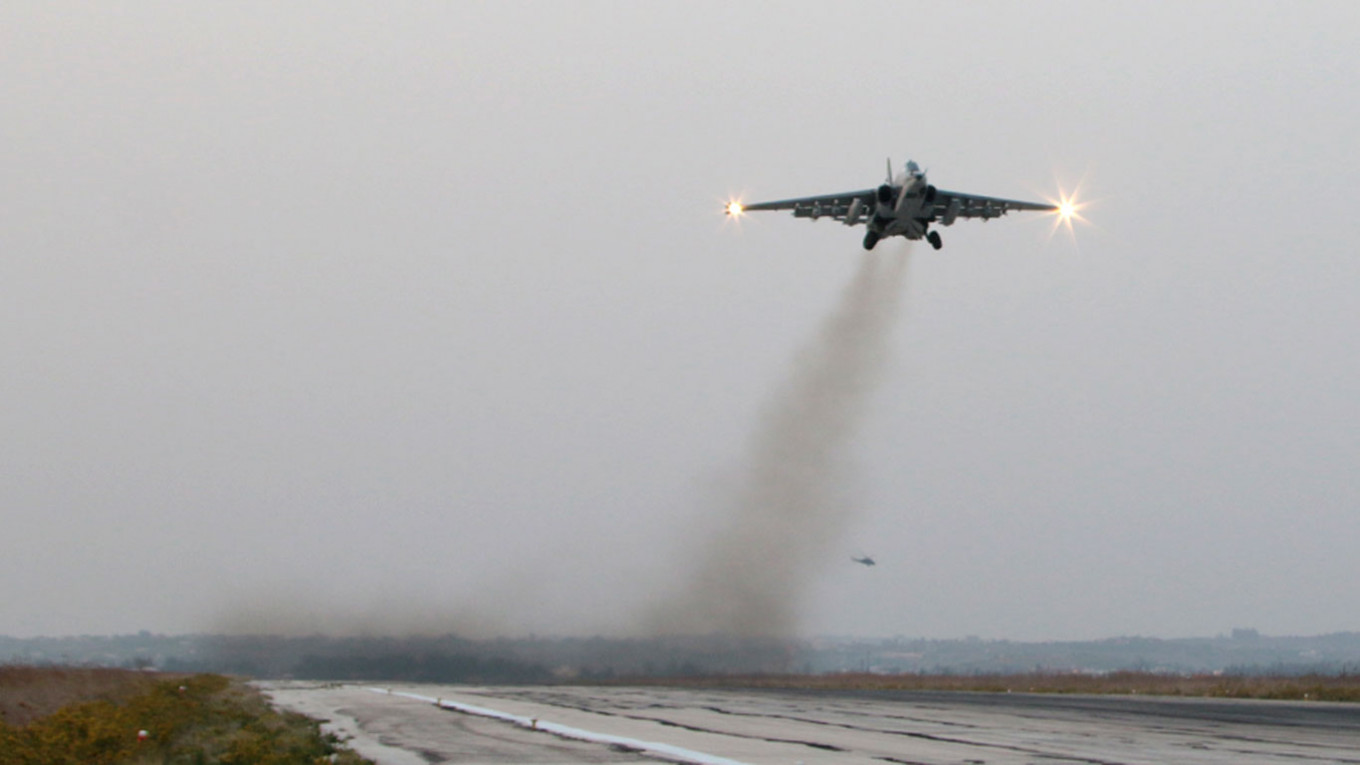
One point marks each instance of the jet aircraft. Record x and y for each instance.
(866, 560)
(904, 205)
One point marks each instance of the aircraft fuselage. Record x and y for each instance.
(900, 206)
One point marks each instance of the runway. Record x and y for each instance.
(400, 725)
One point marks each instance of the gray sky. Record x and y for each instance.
(325, 316)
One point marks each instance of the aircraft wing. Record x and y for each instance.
(834, 206)
(950, 205)
(946, 207)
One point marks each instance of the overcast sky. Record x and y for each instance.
(426, 316)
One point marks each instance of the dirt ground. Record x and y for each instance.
(29, 693)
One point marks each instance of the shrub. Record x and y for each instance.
(205, 719)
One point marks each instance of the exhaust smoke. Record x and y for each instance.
(784, 512)
(787, 510)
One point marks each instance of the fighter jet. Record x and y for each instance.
(866, 560)
(904, 205)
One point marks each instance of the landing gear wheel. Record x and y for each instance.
(934, 239)
(870, 239)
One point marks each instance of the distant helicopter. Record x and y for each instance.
(866, 560)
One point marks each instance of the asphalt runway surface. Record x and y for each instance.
(401, 725)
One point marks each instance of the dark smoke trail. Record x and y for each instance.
(786, 513)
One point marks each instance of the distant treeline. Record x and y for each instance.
(450, 658)
(447, 659)
(422, 667)
(453, 659)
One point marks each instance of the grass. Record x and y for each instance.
(29, 693)
(133, 718)
(1299, 688)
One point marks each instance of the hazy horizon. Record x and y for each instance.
(426, 317)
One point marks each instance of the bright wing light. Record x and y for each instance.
(1067, 209)
(734, 212)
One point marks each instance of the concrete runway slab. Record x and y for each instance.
(397, 730)
(814, 728)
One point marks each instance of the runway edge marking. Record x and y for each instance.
(674, 752)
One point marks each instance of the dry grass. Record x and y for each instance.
(30, 693)
(160, 719)
(1303, 687)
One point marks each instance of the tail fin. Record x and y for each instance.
(890, 170)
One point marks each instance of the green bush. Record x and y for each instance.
(202, 720)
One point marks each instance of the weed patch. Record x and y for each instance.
(198, 720)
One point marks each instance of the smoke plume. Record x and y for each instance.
(783, 514)
(787, 510)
